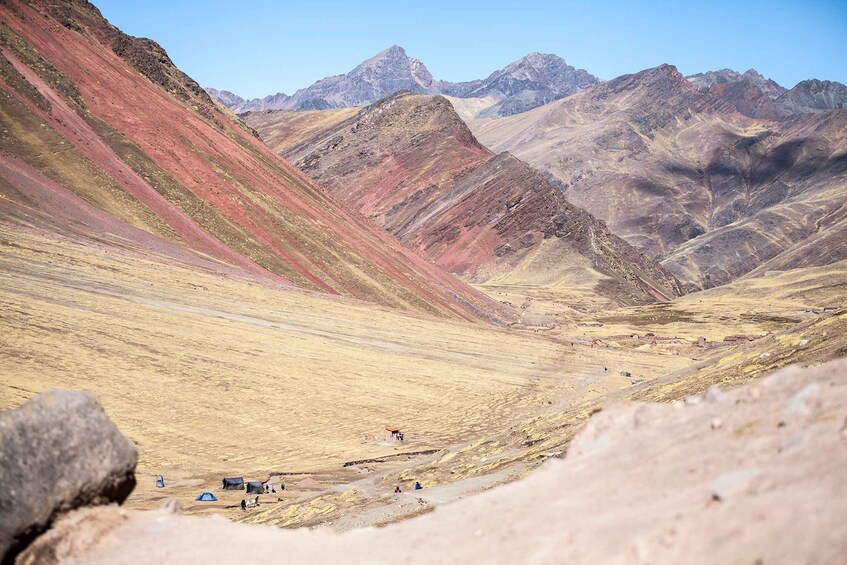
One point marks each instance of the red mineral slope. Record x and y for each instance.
(410, 163)
(109, 119)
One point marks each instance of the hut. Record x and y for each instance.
(255, 487)
(393, 434)
(233, 483)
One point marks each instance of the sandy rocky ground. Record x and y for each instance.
(753, 475)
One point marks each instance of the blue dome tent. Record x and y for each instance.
(206, 496)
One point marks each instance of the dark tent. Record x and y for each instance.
(235, 483)
(160, 481)
(206, 496)
(255, 487)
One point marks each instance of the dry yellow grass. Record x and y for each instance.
(750, 306)
(286, 128)
(214, 376)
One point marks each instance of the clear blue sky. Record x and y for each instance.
(260, 47)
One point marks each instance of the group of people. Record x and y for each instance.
(255, 502)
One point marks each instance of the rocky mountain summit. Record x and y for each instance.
(814, 96)
(524, 84)
(711, 79)
(229, 99)
(238, 104)
(382, 75)
(755, 96)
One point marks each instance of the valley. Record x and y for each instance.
(386, 296)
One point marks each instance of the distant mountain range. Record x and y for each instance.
(716, 175)
(524, 84)
(758, 97)
(527, 83)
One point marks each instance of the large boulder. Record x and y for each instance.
(58, 451)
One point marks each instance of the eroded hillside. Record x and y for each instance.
(92, 118)
(686, 176)
(412, 165)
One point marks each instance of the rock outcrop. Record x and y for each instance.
(59, 451)
(752, 475)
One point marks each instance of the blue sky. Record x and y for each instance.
(260, 47)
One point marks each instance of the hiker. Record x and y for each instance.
(243, 505)
(400, 435)
(605, 369)
(266, 489)
(273, 489)
(397, 490)
(418, 485)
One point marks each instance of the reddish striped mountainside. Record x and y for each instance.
(103, 138)
(411, 164)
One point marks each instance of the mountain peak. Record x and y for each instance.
(713, 79)
(393, 52)
(535, 79)
(532, 80)
(537, 60)
(753, 74)
(814, 95)
(663, 82)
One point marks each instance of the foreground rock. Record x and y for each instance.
(59, 451)
(753, 475)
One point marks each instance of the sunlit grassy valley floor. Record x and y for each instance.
(214, 375)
